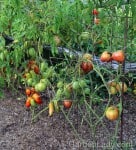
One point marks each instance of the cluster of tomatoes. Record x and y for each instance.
(118, 56)
(36, 80)
(112, 112)
(31, 71)
(33, 97)
(37, 76)
(115, 87)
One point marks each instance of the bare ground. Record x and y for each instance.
(17, 132)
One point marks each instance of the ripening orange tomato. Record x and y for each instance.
(96, 21)
(118, 56)
(112, 113)
(106, 56)
(37, 98)
(28, 92)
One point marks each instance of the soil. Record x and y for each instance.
(18, 132)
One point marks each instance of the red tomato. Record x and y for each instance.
(118, 56)
(39, 101)
(28, 102)
(67, 103)
(30, 63)
(86, 66)
(36, 69)
(37, 98)
(95, 12)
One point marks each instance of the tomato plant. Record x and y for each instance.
(50, 47)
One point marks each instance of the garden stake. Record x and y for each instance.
(123, 71)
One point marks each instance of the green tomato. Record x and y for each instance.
(134, 91)
(5, 53)
(67, 94)
(82, 83)
(59, 93)
(28, 75)
(29, 81)
(43, 66)
(75, 85)
(40, 87)
(33, 103)
(2, 56)
(49, 72)
(32, 52)
(33, 74)
(45, 81)
(87, 91)
(44, 74)
(34, 83)
(60, 84)
(85, 35)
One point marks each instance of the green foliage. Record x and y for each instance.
(69, 24)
